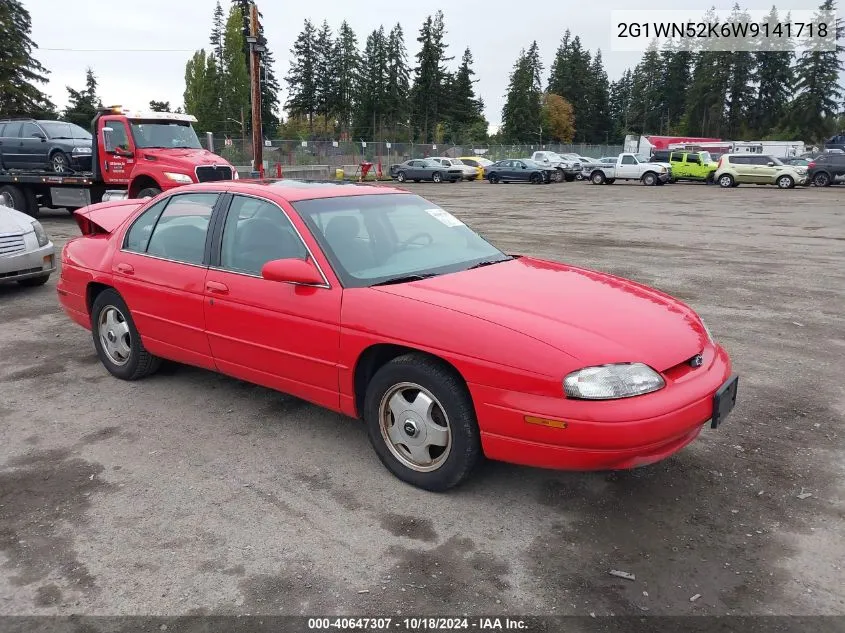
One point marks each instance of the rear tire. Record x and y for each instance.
(409, 382)
(137, 361)
(726, 181)
(822, 179)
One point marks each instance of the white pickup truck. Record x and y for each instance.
(628, 167)
(568, 166)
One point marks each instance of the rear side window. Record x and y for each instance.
(179, 235)
(12, 130)
(138, 236)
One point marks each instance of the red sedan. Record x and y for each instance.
(377, 303)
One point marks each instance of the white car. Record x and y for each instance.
(27, 255)
(469, 172)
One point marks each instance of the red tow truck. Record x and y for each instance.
(135, 154)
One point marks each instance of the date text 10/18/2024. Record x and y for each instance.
(418, 624)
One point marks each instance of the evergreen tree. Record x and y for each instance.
(620, 105)
(372, 89)
(644, 112)
(19, 70)
(427, 94)
(572, 79)
(466, 113)
(345, 68)
(740, 93)
(83, 104)
(674, 84)
(234, 83)
(325, 79)
(599, 102)
(521, 114)
(202, 82)
(217, 31)
(302, 78)
(776, 79)
(816, 106)
(160, 106)
(704, 114)
(398, 79)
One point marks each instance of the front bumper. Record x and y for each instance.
(31, 263)
(600, 435)
(664, 177)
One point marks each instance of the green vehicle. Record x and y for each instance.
(693, 166)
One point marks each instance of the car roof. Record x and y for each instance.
(293, 190)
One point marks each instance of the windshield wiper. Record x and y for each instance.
(404, 279)
(488, 262)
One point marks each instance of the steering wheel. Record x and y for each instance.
(416, 236)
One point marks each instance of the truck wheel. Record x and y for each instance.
(19, 199)
(649, 179)
(598, 178)
(149, 192)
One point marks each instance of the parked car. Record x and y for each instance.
(478, 162)
(697, 166)
(469, 172)
(379, 304)
(419, 169)
(827, 169)
(567, 167)
(57, 146)
(797, 161)
(27, 256)
(628, 167)
(758, 169)
(520, 170)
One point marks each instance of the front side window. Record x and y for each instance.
(180, 232)
(119, 137)
(629, 160)
(372, 239)
(164, 134)
(30, 130)
(256, 232)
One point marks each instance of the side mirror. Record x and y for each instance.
(524, 166)
(770, 164)
(296, 271)
(41, 136)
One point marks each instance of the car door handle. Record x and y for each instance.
(216, 287)
(126, 269)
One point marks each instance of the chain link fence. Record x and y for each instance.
(350, 154)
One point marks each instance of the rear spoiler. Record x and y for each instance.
(104, 217)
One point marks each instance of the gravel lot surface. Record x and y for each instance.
(190, 492)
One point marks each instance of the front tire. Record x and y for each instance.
(822, 179)
(437, 177)
(597, 178)
(786, 182)
(149, 192)
(535, 179)
(494, 179)
(421, 422)
(401, 177)
(60, 163)
(649, 179)
(116, 339)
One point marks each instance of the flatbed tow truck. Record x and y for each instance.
(134, 155)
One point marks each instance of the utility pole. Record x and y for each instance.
(255, 50)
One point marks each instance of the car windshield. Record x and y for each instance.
(705, 157)
(64, 130)
(389, 238)
(457, 161)
(169, 134)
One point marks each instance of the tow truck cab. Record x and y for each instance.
(145, 153)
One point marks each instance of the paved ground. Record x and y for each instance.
(194, 493)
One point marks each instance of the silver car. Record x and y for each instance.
(469, 172)
(27, 255)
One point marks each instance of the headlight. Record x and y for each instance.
(608, 382)
(81, 150)
(185, 178)
(661, 168)
(40, 233)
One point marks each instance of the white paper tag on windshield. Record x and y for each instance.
(445, 217)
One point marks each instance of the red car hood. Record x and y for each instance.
(184, 157)
(595, 317)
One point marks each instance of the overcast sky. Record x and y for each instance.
(495, 31)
